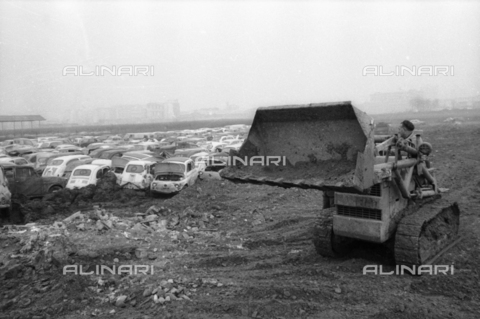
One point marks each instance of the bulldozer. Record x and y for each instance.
(386, 195)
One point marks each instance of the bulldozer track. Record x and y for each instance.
(444, 250)
(322, 233)
(427, 233)
(326, 242)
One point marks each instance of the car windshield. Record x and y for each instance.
(56, 162)
(138, 147)
(170, 168)
(170, 177)
(105, 155)
(82, 172)
(135, 169)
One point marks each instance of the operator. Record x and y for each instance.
(406, 131)
(405, 138)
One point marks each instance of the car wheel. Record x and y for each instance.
(55, 189)
(5, 214)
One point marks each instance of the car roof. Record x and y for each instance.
(67, 157)
(177, 159)
(66, 145)
(138, 154)
(90, 166)
(140, 162)
(7, 164)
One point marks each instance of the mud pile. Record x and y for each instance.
(64, 202)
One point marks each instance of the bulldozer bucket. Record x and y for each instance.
(328, 146)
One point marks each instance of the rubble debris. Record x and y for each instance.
(141, 253)
(120, 302)
(71, 218)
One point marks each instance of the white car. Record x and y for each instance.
(58, 166)
(200, 160)
(85, 175)
(138, 174)
(173, 175)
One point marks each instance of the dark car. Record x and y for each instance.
(99, 151)
(24, 180)
(22, 151)
(189, 152)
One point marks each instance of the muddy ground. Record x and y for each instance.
(224, 250)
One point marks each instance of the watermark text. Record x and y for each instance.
(246, 161)
(103, 270)
(102, 70)
(402, 70)
(409, 270)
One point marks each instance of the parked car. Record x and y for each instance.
(145, 146)
(189, 152)
(43, 157)
(105, 156)
(114, 139)
(213, 164)
(50, 144)
(138, 155)
(56, 166)
(24, 180)
(15, 160)
(186, 145)
(23, 150)
(137, 136)
(31, 158)
(138, 174)
(5, 196)
(199, 159)
(118, 166)
(87, 140)
(94, 146)
(24, 141)
(119, 161)
(97, 152)
(68, 148)
(85, 175)
(6, 143)
(173, 175)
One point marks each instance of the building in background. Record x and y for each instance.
(126, 114)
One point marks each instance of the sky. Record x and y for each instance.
(206, 54)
